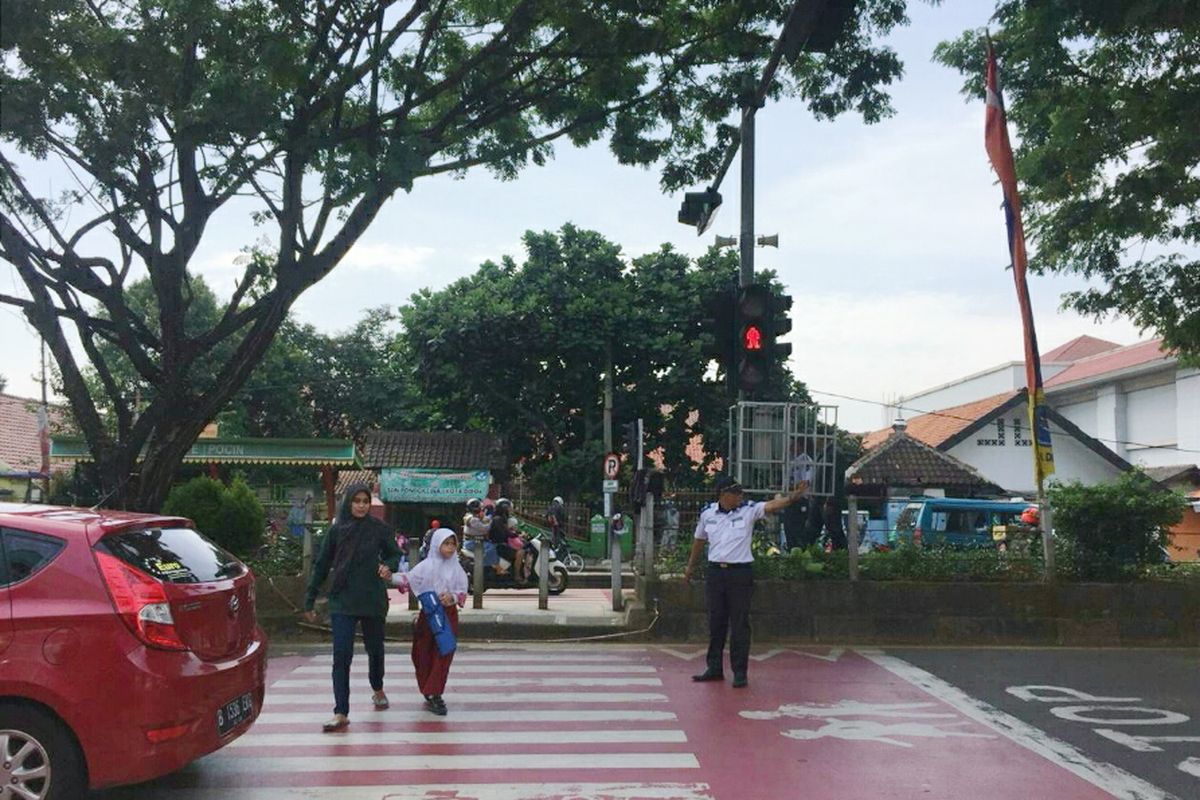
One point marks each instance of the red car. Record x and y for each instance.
(128, 648)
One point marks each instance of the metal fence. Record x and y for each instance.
(773, 446)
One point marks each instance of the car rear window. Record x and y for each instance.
(26, 553)
(173, 555)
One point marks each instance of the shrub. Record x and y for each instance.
(230, 516)
(1114, 528)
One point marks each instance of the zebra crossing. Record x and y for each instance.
(577, 723)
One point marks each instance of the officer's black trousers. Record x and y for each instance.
(728, 592)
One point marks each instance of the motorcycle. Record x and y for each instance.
(557, 576)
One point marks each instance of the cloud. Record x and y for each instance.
(399, 259)
(877, 346)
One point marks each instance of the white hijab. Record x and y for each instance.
(437, 573)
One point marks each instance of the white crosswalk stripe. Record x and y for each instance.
(502, 668)
(609, 736)
(511, 680)
(580, 711)
(514, 698)
(475, 791)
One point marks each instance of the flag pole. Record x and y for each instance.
(1000, 153)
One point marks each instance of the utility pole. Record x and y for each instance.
(44, 435)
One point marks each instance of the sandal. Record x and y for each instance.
(338, 722)
(380, 701)
(434, 704)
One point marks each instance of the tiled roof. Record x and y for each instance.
(1111, 361)
(345, 477)
(905, 461)
(434, 450)
(1176, 472)
(938, 426)
(1079, 347)
(18, 432)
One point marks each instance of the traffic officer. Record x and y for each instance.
(727, 527)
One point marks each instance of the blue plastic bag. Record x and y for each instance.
(439, 624)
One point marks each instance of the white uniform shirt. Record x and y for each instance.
(728, 533)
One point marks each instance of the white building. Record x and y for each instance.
(1109, 407)
(1137, 400)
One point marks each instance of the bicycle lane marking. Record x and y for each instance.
(860, 725)
(1114, 780)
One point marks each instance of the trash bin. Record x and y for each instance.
(596, 545)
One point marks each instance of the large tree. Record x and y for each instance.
(313, 113)
(521, 350)
(1105, 98)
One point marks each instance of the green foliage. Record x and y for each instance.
(520, 350)
(313, 116)
(280, 558)
(1114, 528)
(1105, 96)
(230, 516)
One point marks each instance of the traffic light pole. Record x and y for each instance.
(746, 242)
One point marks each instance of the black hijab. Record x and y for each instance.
(356, 537)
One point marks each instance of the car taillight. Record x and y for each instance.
(916, 537)
(141, 603)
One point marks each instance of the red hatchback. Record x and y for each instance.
(128, 648)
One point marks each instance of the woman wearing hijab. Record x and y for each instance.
(441, 574)
(362, 553)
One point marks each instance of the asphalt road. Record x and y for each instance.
(1150, 693)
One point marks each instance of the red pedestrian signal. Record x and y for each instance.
(752, 338)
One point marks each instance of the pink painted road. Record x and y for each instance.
(595, 722)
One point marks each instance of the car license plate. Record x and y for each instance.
(234, 713)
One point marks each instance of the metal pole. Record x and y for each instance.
(608, 438)
(543, 568)
(307, 552)
(646, 531)
(480, 548)
(1046, 520)
(747, 236)
(414, 550)
(46, 416)
(617, 600)
(852, 535)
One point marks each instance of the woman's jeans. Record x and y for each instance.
(344, 627)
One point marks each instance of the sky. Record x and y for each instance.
(891, 238)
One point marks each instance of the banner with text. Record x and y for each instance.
(403, 485)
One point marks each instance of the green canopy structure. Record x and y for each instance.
(328, 454)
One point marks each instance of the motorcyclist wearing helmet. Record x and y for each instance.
(502, 532)
(475, 529)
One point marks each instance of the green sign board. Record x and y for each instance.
(402, 485)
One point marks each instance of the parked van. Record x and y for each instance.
(953, 522)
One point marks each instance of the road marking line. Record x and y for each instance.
(473, 761)
(1141, 744)
(520, 698)
(541, 736)
(834, 654)
(465, 791)
(298, 683)
(508, 715)
(1108, 777)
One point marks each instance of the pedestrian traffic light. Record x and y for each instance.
(753, 333)
(761, 318)
(719, 340)
(700, 209)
